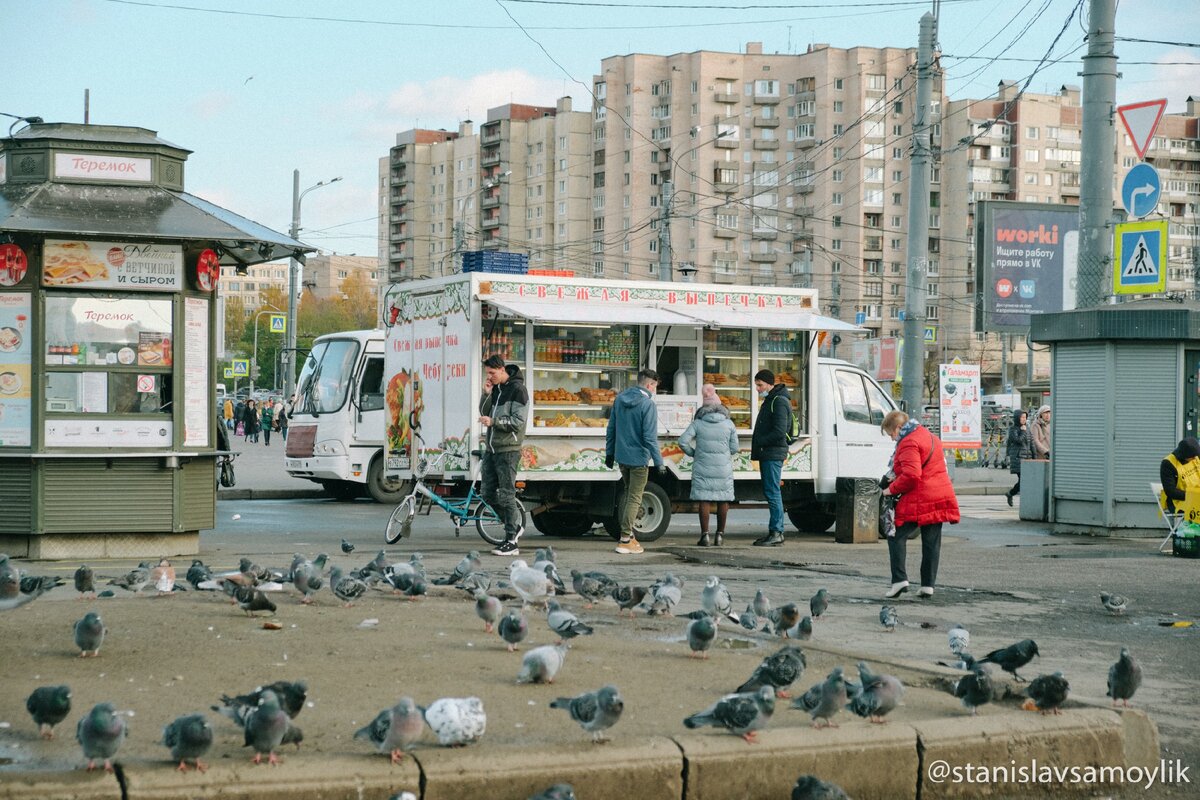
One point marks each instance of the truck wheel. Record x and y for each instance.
(562, 523)
(383, 489)
(811, 519)
(342, 490)
(653, 519)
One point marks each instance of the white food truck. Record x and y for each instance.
(580, 342)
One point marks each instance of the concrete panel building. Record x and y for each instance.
(323, 275)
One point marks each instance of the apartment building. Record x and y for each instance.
(523, 182)
(249, 287)
(323, 275)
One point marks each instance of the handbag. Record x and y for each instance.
(240, 430)
(228, 479)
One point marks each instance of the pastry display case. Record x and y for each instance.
(577, 371)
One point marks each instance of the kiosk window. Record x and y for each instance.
(100, 331)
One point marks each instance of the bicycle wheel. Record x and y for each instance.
(488, 522)
(400, 522)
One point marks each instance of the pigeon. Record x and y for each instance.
(810, 787)
(407, 584)
(889, 618)
(40, 584)
(260, 573)
(290, 694)
(198, 573)
(293, 735)
(784, 618)
(1012, 658)
(742, 714)
(189, 738)
(85, 582)
(541, 664)
(665, 595)
(513, 629)
(974, 690)
(306, 577)
(265, 727)
(163, 577)
(376, 566)
(592, 586)
(532, 586)
(832, 699)
(715, 599)
(345, 587)
(801, 631)
(959, 639)
(394, 730)
(748, 619)
(100, 734)
(965, 662)
(469, 563)
(488, 609)
(810, 699)
(628, 598)
(347, 548)
(1114, 604)
(543, 556)
(11, 594)
(595, 711)
(251, 599)
(564, 623)
(476, 580)
(135, 580)
(559, 791)
(1124, 678)
(701, 633)
(49, 705)
(818, 603)
(878, 697)
(89, 634)
(779, 671)
(456, 721)
(761, 605)
(551, 571)
(1047, 693)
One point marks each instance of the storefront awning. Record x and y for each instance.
(723, 317)
(589, 314)
(149, 212)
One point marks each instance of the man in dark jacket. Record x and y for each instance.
(631, 440)
(503, 411)
(1179, 471)
(769, 447)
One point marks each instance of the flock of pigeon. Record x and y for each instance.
(266, 715)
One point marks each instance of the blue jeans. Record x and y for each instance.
(771, 471)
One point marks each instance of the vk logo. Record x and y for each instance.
(1026, 289)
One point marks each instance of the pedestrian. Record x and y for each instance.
(268, 420)
(1020, 446)
(239, 413)
(926, 500)
(712, 442)
(1179, 472)
(1040, 434)
(251, 422)
(283, 416)
(631, 441)
(502, 413)
(769, 447)
(228, 413)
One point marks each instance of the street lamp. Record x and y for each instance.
(664, 229)
(293, 277)
(460, 223)
(254, 353)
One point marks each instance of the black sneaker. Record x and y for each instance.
(773, 539)
(506, 548)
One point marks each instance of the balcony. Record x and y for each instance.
(766, 144)
(728, 142)
(873, 243)
(764, 258)
(489, 134)
(489, 201)
(725, 233)
(725, 97)
(802, 236)
(765, 99)
(723, 274)
(801, 281)
(400, 180)
(1069, 191)
(490, 158)
(490, 222)
(804, 186)
(801, 96)
(765, 234)
(763, 279)
(766, 122)
(724, 187)
(804, 211)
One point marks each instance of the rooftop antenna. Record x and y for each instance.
(789, 44)
(87, 105)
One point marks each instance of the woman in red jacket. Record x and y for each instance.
(926, 499)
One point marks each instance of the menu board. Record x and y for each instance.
(962, 416)
(113, 433)
(197, 393)
(16, 352)
(675, 414)
(112, 265)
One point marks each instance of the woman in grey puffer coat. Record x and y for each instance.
(711, 441)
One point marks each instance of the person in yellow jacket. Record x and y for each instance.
(1179, 472)
(228, 412)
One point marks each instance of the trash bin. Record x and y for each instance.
(1035, 490)
(857, 511)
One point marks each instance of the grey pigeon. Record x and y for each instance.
(265, 727)
(665, 595)
(290, 694)
(628, 598)
(748, 619)
(306, 577)
(100, 734)
(1047, 693)
(189, 739)
(456, 721)
(531, 585)
(135, 580)
(559, 791)
(818, 603)
(252, 600)
(513, 629)
(551, 571)
(1114, 603)
(40, 584)
(1012, 658)
(394, 730)
(488, 609)
(595, 711)
(409, 585)
(198, 573)
(779, 671)
(345, 587)
(89, 634)
(293, 735)
(802, 631)
(347, 547)
(476, 580)
(1124, 678)
(784, 618)
(889, 618)
(541, 664)
(810, 787)
(564, 623)
(11, 595)
(832, 699)
(878, 696)
(715, 599)
(810, 699)
(965, 661)
(959, 639)
(469, 563)
(49, 705)
(592, 587)
(974, 690)
(742, 714)
(701, 633)
(85, 581)
(761, 605)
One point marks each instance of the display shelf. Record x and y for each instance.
(725, 387)
(573, 406)
(777, 356)
(719, 354)
(580, 368)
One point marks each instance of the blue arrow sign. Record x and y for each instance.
(1140, 190)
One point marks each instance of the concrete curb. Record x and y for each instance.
(270, 494)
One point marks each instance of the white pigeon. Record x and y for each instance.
(533, 586)
(541, 664)
(959, 639)
(664, 596)
(715, 599)
(456, 721)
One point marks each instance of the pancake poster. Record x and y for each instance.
(16, 351)
(112, 265)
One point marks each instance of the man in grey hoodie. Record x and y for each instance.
(631, 441)
(503, 411)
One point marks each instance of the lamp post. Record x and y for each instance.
(664, 227)
(254, 353)
(293, 278)
(460, 236)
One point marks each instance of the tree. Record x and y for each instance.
(358, 301)
(235, 322)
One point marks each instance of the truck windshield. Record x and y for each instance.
(325, 379)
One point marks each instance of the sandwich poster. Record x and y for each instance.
(112, 265)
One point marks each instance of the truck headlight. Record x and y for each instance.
(330, 447)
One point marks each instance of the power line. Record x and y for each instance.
(1139, 41)
(727, 7)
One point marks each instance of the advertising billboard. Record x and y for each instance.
(958, 393)
(877, 357)
(1027, 258)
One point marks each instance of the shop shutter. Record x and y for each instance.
(1080, 373)
(1145, 421)
(134, 495)
(198, 494)
(16, 496)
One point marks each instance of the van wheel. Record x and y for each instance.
(342, 490)
(562, 523)
(811, 519)
(383, 489)
(653, 519)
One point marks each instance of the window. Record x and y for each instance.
(931, 312)
(835, 267)
(876, 82)
(1031, 133)
(895, 221)
(894, 243)
(837, 198)
(807, 108)
(873, 197)
(837, 152)
(837, 222)
(838, 175)
(838, 106)
(835, 244)
(805, 130)
(727, 219)
(1032, 156)
(838, 129)
(896, 198)
(695, 87)
(853, 397)
(766, 88)
(897, 152)
(873, 175)
(838, 84)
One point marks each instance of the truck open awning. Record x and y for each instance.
(595, 314)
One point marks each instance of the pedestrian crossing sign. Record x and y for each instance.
(1140, 257)
(241, 367)
(278, 323)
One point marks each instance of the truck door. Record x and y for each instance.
(368, 427)
(863, 449)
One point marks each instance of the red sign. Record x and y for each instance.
(13, 264)
(208, 270)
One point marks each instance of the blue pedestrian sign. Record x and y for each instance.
(241, 368)
(930, 334)
(1140, 190)
(278, 323)
(1140, 257)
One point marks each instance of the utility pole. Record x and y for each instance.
(289, 372)
(664, 229)
(912, 369)
(1099, 151)
(458, 244)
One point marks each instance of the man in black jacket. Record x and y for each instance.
(769, 447)
(503, 411)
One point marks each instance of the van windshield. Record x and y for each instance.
(325, 379)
